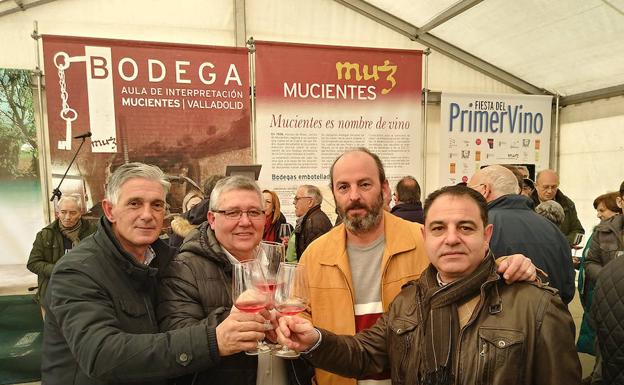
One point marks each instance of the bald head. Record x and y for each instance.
(546, 184)
(494, 181)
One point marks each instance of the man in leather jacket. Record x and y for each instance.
(458, 323)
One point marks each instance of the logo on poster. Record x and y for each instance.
(345, 69)
(485, 116)
(128, 69)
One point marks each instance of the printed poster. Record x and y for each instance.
(182, 107)
(314, 102)
(479, 130)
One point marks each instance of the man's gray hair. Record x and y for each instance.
(133, 170)
(552, 211)
(313, 192)
(71, 198)
(231, 183)
(501, 180)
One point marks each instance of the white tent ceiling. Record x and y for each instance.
(572, 48)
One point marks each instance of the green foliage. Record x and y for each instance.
(18, 133)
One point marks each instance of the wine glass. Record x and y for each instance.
(291, 297)
(270, 255)
(285, 232)
(247, 277)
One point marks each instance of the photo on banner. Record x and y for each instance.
(20, 185)
(184, 108)
(480, 130)
(313, 102)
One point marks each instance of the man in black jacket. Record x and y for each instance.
(547, 188)
(407, 196)
(312, 222)
(54, 240)
(101, 326)
(518, 229)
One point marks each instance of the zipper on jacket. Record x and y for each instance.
(406, 346)
(482, 379)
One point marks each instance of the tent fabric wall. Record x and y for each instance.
(591, 154)
(313, 22)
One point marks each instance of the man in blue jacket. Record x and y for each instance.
(518, 229)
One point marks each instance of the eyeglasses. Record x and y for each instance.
(235, 214)
(296, 199)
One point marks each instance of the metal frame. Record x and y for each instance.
(455, 10)
(240, 28)
(589, 96)
(20, 5)
(415, 34)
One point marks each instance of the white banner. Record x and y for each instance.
(479, 130)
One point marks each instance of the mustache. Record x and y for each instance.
(356, 205)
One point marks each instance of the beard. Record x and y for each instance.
(363, 224)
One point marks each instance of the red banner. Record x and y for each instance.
(314, 102)
(182, 107)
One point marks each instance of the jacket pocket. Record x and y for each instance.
(402, 349)
(130, 309)
(501, 354)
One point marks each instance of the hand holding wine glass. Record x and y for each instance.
(291, 296)
(247, 278)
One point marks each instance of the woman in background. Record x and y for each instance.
(274, 217)
(606, 208)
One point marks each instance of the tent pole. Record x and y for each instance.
(423, 159)
(41, 132)
(252, 95)
(557, 139)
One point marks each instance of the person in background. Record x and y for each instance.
(517, 173)
(56, 239)
(518, 229)
(312, 222)
(101, 325)
(274, 217)
(459, 323)
(606, 207)
(607, 318)
(528, 186)
(547, 188)
(407, 200)
(552, 211)
(183, 224)
(606, 245)
(191, 200)
(524, 171)
(607, 242)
